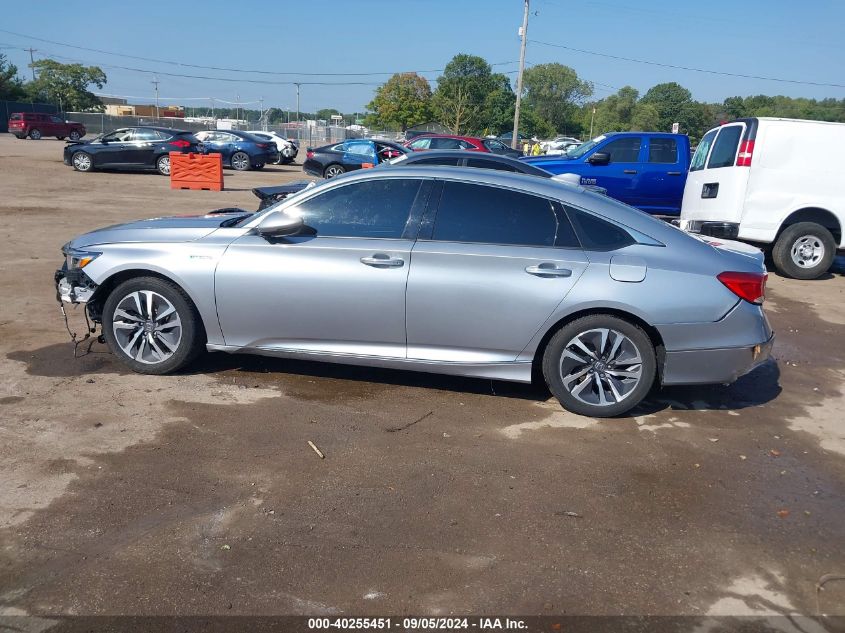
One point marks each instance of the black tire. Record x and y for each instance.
(286, 160)
(240, 161)
(258, 166)
(804, 251)
(74, 135)
(61, 138)
(192, 335)
(333, 170)
(82, 161)
(35, 134)
(635, 343)
(163, 165)
(279, 158)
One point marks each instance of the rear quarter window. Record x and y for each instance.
(700, 156)
(597, 234)
(17, 116)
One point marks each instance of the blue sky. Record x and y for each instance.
(774, 38)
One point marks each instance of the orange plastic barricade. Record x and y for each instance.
(196, 171)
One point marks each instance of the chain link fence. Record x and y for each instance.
(7, 107)
(307, 135)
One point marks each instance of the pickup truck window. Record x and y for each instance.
(724, 150)
(623, 150)
(662, 150)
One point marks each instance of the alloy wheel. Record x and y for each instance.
(333, 171)
(74, 135)
(164, 165)
(807, 251)
(240, 161)
(35, 134)
(147, 327)
(601, 367)
(82, 161)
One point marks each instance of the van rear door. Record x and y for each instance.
(718, 175)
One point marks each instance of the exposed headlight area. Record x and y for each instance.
(76, 258)
(72, 284)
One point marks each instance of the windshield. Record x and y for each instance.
(274, 206)
(577, 152)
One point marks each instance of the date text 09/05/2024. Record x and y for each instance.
(430, 623)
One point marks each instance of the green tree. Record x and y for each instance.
(11, 86)
(645, 118)
(670, 99)
(499, 105)
(554, 92)
(401, 103)
(326, 113)
(462, 90)
(67, 85)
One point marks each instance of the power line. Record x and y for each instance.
(225, 69)
(690, 68)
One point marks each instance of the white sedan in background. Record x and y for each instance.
(287, 148)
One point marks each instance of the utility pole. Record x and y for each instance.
(524, 33)
(261, 114)
(32, 60)
(212, 108)
(592, 116)
(297, 102)
(155, 82)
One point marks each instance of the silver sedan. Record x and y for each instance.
(470, 272)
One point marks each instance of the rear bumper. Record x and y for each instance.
(723, 230)
(709, 366)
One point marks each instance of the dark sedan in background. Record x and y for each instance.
(141, 148)
(240, 150)
(338, 158)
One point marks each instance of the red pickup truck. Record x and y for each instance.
(37, 124)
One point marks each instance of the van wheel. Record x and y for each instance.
(804, 251)
(599, 365)
(35, 134)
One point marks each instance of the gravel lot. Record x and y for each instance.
(198, 493)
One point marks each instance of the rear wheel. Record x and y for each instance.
(82, 161)
(163, 165)
(74, 135)
(804, 251)
(599, 365)
(333, 171)
(61, 138)
(152, 326)
(240, 161)
(35, 134)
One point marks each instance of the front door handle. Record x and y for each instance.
(673, 173)
(548, 270)
(382, 260)
(629, 171)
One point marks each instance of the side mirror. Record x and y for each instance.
(599, 158)
(280, 225)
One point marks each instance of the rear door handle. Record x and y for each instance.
(382, 260)
(629, 171)
(673, 173)
(547, 269)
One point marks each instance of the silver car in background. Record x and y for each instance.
(470, 272)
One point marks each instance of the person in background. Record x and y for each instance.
(526, 148)
(536, 150)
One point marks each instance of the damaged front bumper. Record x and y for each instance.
(73, 286)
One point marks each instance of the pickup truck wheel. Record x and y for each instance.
(35, 134)
(152, 326)
(74, 135)
(804, 251)
(82, 161)
(599, 365)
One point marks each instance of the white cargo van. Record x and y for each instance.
(772, 181)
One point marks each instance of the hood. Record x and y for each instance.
(179, 228)
(541, 160)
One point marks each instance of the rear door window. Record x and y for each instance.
(447, 143)
(724, 149)
(662, 150)
(700, 156)
(421, 143)
(623, 150)
(492, 215)
(489, 164)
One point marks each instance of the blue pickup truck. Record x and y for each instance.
(647, 170)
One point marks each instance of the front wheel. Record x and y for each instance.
(163, 165)
(35, 134)
(599, 365)
(240, 161)
(82, 161)
(152, 326)
(804, 251)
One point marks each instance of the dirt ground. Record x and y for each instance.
(199, 494)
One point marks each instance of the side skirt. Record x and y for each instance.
(513, 371)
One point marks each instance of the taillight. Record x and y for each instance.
(309, 154)
(262, 145)
(180, 143)
(746, 151)
(748, 286)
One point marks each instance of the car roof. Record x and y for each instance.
(459, 153)
(468, 138)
